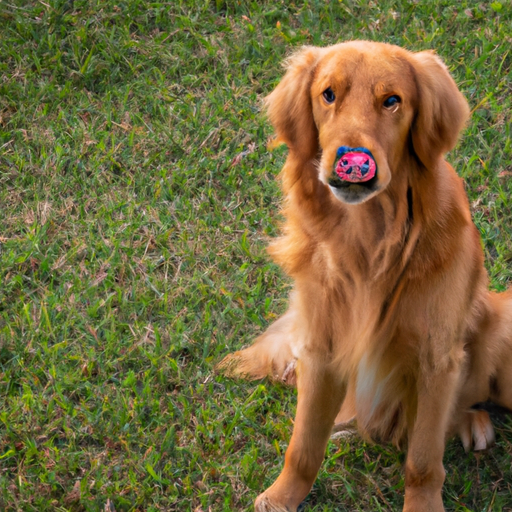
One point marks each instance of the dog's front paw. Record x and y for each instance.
(423, 502)
(264, 503)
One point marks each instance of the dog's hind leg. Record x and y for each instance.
(490, 378)
(273, 354)
(500, 379)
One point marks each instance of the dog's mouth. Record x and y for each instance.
(354, 176)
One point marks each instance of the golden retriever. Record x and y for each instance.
(390, 322)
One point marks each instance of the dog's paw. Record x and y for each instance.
(423, 505)
(263, 503)
(289, 376)
(419, 499)
(476, 431)
(344, 429)
(482, 430)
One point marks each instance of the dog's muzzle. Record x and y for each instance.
(355, 165)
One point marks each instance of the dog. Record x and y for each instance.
(390, 322)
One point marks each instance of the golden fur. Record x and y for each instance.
(390, 322)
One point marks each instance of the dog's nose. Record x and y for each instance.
(355, 165)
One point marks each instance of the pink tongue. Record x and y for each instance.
(356, 167)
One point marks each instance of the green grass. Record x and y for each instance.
(132, 247)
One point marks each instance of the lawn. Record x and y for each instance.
(137, 196)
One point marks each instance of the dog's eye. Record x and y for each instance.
(392, 101)
(328, 95)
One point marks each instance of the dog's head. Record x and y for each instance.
(362, 106)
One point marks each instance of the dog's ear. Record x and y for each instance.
(289, 105)
(441, 112)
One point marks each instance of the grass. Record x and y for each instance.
(137, 196)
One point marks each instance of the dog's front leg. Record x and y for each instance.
(320, 393)
(424, 472)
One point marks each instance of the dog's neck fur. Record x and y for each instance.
(314, 213)
(413, 198)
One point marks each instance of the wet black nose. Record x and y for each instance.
(365, 168)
